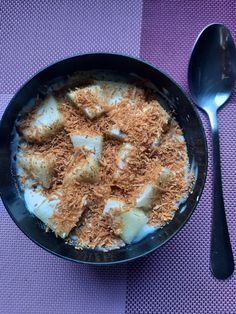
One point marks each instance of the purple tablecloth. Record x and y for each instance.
(176, 278)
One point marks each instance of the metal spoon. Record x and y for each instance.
(211, 78)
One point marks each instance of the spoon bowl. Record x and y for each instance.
(211, 78)
(212, 67)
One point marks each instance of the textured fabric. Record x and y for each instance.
(176, 278)
(32, 35)
(37, 33)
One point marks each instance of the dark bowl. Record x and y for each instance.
(170, 94)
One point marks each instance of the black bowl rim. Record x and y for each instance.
(204, 173)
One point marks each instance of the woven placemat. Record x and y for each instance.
(176, 278)
(32, 35)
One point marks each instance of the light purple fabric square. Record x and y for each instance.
(32, 35)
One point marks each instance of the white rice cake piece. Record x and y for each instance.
(123, 158)
(132, 222)
(39, 167)
(116, 134)
(97, 94)
(87, 170)
(112, 203)
(42, 207)
(92, 143)
(46, 122)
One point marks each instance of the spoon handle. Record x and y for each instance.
(221, 256)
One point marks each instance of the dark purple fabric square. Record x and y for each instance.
(177, 279)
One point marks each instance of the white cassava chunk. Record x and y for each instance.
(92, 143)
(146, 197)
(47, 120)
(92, 94)
(126, 224)
(87, 170)
(116, 134)
(164, 177)
(114, 92)
(42, 207)
(165, 119)
(156, 142)
(40, 167)
(123, 158)
(132, 222)
(151, 191)
(143, 232)
(157, 139)
(112, 203)
(99, 95)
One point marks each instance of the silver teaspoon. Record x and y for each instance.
(211, 78)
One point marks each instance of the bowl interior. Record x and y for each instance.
(170, 96)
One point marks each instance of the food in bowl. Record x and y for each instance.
(100, 162)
